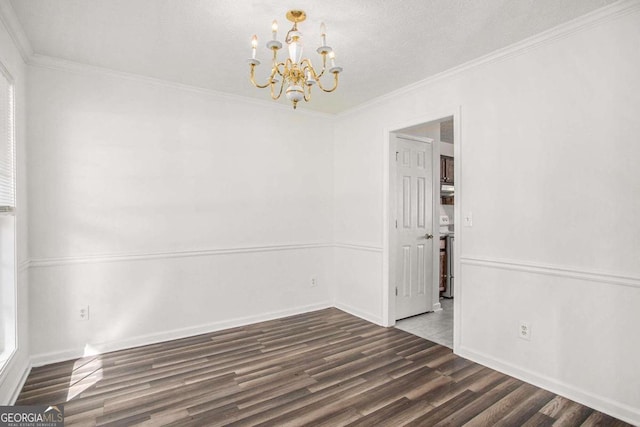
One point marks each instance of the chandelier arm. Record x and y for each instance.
(288, 65)
(324, 65)
(252, 77)
(309, 66)
(279, 92)
(335, 84)
(276, 68)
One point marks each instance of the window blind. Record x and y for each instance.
(7, 144)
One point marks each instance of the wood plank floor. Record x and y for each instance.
(325, 368)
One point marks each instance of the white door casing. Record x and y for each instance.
(414, 231)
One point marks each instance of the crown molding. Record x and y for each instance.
(50, 62)
(11, 22)
(603, 14)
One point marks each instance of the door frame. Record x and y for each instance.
(393, 214)
(388, 291)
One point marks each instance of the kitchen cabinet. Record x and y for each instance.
(446, 170)
(446, 266)
(446, 180)
(447, 200)
(443, 264)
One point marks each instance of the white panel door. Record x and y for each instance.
(414, 190)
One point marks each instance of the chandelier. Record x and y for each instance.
(296, 73)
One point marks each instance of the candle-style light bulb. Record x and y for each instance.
(323, 34)
(274, 29)
(254, 45)
(332, 57)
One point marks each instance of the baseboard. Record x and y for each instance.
(359, 313)
(23, 366)
(70, 354)
(600, 403)
(23, 379)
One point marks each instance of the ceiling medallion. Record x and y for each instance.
(296, 72)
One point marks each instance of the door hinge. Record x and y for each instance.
(397, 154)
(396, 291)
(396, 223)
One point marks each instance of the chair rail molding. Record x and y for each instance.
(551, 270)
(358, 246)
(123, 257)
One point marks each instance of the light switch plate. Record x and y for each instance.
(468, 219)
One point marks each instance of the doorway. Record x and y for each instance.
(434, 305)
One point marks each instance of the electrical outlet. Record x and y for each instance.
(444, 220)
(314, 282)
(524, 331)
(83, 314)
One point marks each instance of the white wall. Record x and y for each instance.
(548, 147)
(446, 149)
(14, 373)
(169, 211)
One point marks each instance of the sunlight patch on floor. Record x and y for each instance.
(85, 373)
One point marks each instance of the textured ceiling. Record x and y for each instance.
(382, 44)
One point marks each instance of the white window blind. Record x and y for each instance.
(7, 144)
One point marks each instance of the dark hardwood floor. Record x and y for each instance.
(325, 368)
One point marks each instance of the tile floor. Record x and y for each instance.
(435, 326)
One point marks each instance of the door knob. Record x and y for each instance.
(428, 236)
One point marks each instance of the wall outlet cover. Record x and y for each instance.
(444, 220)
(83, 313)
(524, 330)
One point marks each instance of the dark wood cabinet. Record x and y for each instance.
(446, 177)
(447, 200)
(446, 170)
(443, 264)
